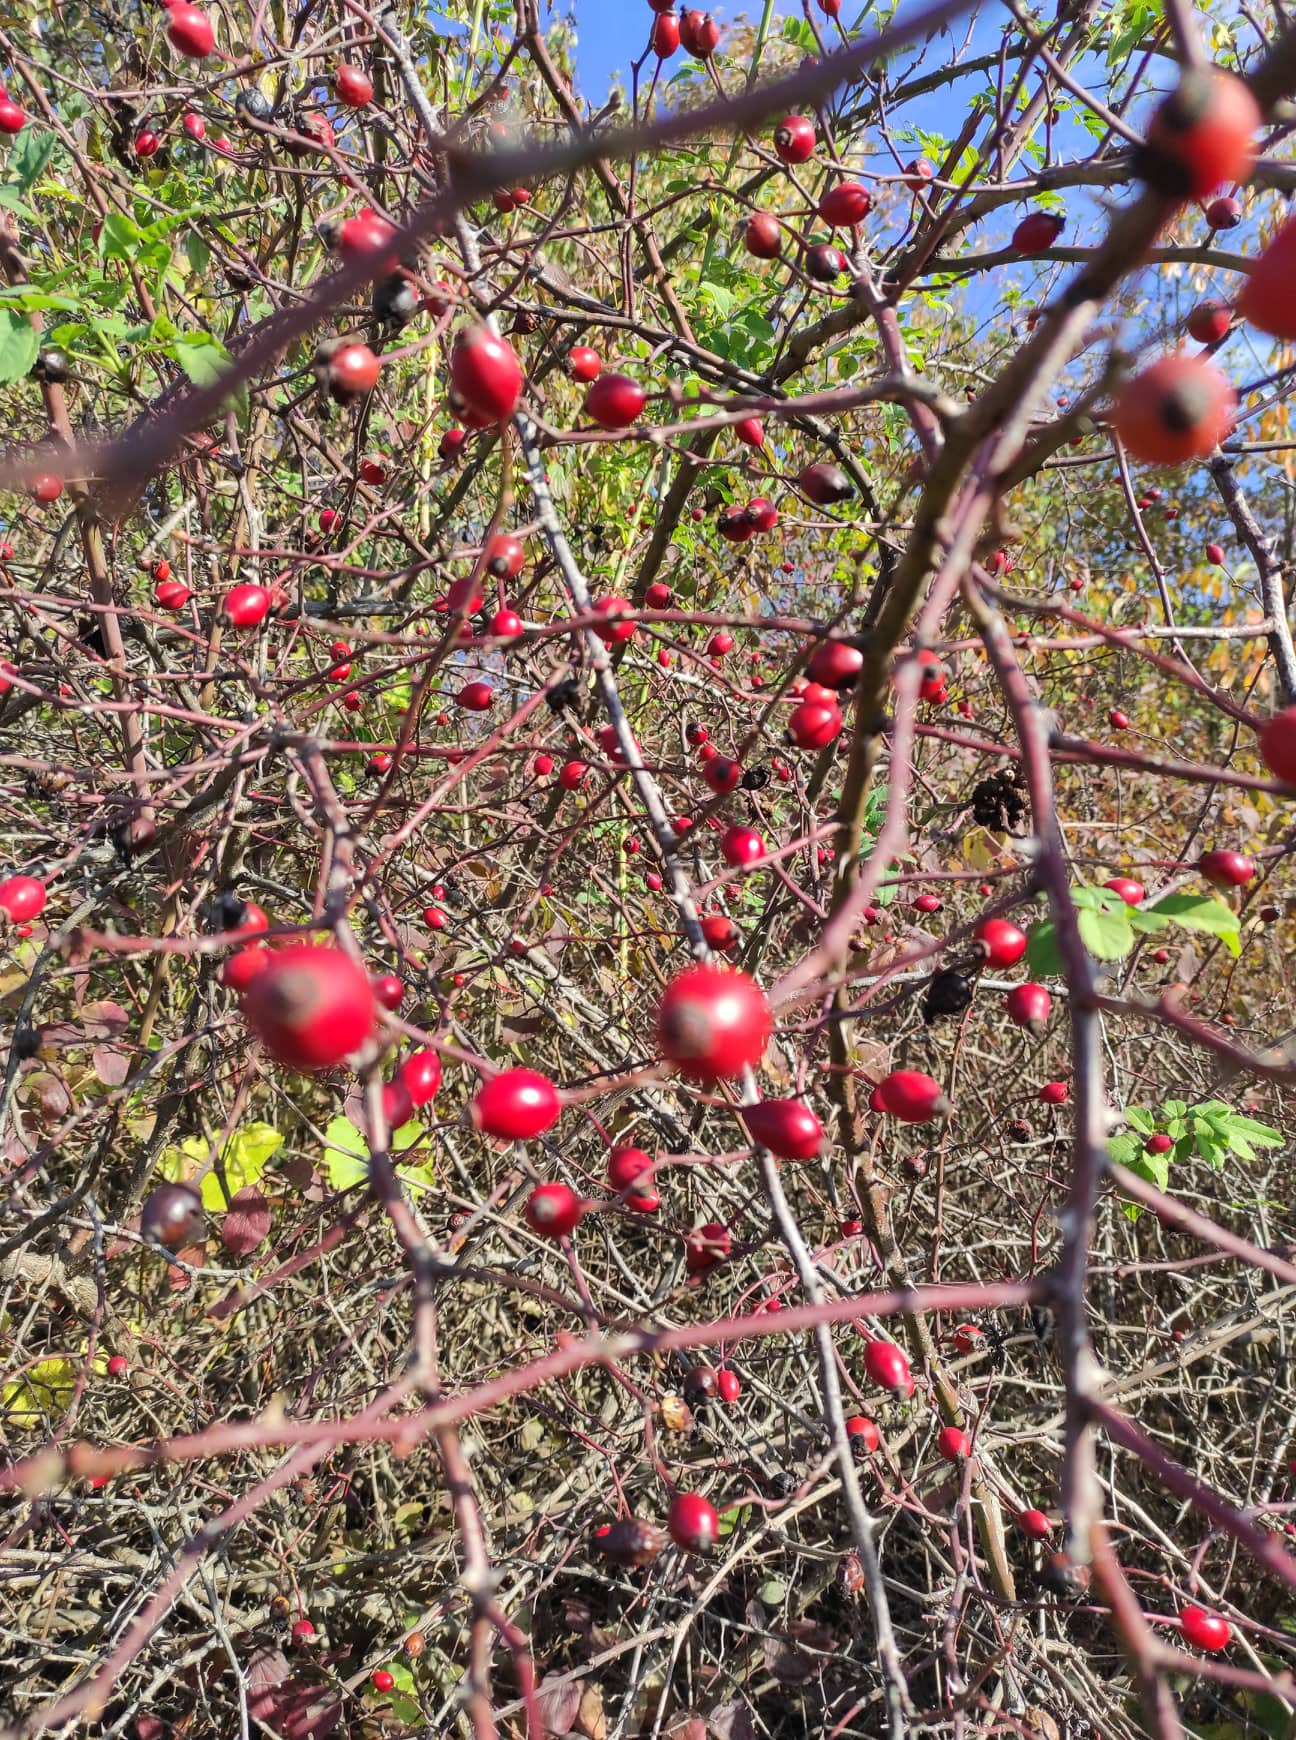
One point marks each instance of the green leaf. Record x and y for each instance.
(1140, 1120)
(1106, 934)
(1211, 1151)
(1148, 922)
(1202, 912)
(203, 358)
(31, 156)
(119, 237)
(19, 344)
(346, 1158)
(247, 1153)
(1042, 956)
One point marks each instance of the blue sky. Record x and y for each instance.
(614, 32)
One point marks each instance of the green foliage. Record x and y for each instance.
(243, 1159)
(346, 1155)
(1211, 1131)
(1109, 928)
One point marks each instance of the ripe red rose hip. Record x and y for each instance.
(712, 1023)
(189, 31)
(846, 204)
(1209, 322)
(1002, 942)
(887, 1366)
(863, 1433)
(1226, 869)
(700, 34)
(310, 1006)
(814, 724)
(245, 605)
(824, 263)
(583, 363)
(486, 374)
(22, 897)
(1265, 298)
(763, 236)
(516, 1105)
(1034, 1525)
(1203, 1630)
(12, 118)
(693, 1522)
(353, 87)
(836, 664)
(739, 846)
(421, 1075)
(1028, 1005)
(615, 401)
(1278, 745)
(1055, 1093)
(1179, 408)
(1036, 232)
(665, 38)
(631, 1170)
(352, 371)
(911, 1096)
(794, 139)
(553, 1211)
(952, 1443)
(824, 484)
(1202, 136)
(1130, 891)
(788, 1128)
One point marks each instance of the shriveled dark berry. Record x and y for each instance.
(948, 993)
(755, 779)
(395, 299)
(252, 105)
(629, 1543)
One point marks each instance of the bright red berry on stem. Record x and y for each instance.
(505, 556)
(713, 1022)
(189, 31)
(1158, 1143)
(863, 1433)
(631, 1170)
(763, 236)
(615, 633)
(728, 1385)
(246, 605)
(421, 1075)
(693, 1522)
(22, 897)
(46, 487)
(887, 1366)
(788, 1128)
(573, 774)
(1226, 869)
(389, 989)
(310, 1006)
(967, 1337)
(824, 263)
(1278, 745)
(1215, 554)
(583, 363)
(751, 432)
(658, 596)
(835, 663)
(302, 1631)
(1265, 298)
(381, 1680)
(1130, 891)
(700, 34)
(846, 204)
(1034, 1525)
(739, 845)
(1002, 942)
(353, 87)
(1036, 232)
(516, 1105)
(913, 1097)
(952, 1443)
(475, 697)
(814, 724)
(706, 1247)
(552, 1210)
(1055, 1093)
(615, 401)
(720, 932)
(665, 38)
(722, 775)
(1117, 720)
(794, 139)
(240, 969)
(1028, 1005)
(1209, 322)
(1203, 1630)
(1179, 408)
(147, 143)
(486, 373)
(368, 236)
(1202, 136)
(824, 484)
(1224, 213)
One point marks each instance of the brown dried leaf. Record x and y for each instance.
(788, 1653)
(589, 1718)
(246, 1222)
(559, 1703)
(110, 1065)
(732, 1721)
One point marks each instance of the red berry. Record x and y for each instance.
(302, 1631)
(794, 139)
(1180, 407)
(1117, 720)
(693, 1522)
(572, 775)
(450, 444)
(1131, 892)
(720, 643)
(728, 1385)
(146, 143)
(615, 633)
(516, 1105)
(240, 969)
(310, 1006)
(1036, 232)
(1201, 136)
(913, 1097)
(1028, 1005)
(1209, 322)
(12, 118)
(506, 624)
(1224, 213)
(788, 1128)
(505, 556)
(553, 1210)
(117, 1365)
(824, 484)
(967, 1337)
(1002, 943)
(1203, 1630)
(381, 1680)
(584, 364)
(713, 1022)
(824, 263)
(836, 664)
(368, 236)
(952, 1443)
(46, 487)
(615, 401)
(814, 724)
(928, 903)
(1265, 298)
(1055, 1093)
(486, 374)
(739, 845)
(918, 173)
(397, 1106)
(389, 989)
(1278, 745)
(846, 204)
(665, 37)
(1215, 554)
(475, 697)
(22, 897)
(421, 1076)
(700, 34)
(720, 932)
(353, 87)
(1034, 1525)
(1158, 1143)
(762, 515)
(189, 31)
(630, 1169)
(245, 605)
(1226, 869)
(763, 236)
(721, 774)
(862, 1432)
(658, 596)
(352, 371)
(887, 1366)
(542, 766)
(706, 1247)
